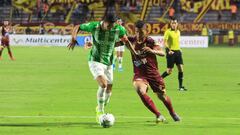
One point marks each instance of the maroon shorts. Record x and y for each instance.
(156, 82)
(5, 41)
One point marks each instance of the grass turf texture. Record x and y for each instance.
(50, 90)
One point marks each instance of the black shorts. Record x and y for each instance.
(175, 58)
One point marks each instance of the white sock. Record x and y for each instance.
(101, 99)
(107, 97)
(120, 59)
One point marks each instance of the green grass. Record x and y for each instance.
(50, 91)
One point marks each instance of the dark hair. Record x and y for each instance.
(110, 18)
(139, 24)
(173, 19)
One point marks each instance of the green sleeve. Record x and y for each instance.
(122, 31)
(88, 27)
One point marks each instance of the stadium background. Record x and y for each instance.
(59, 16)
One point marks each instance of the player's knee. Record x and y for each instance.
(161, 95)
(109, 88)
(141, 91)
(102, 84)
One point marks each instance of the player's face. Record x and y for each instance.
(107, 25)
(119, 22)
(174, 24)
(141, 31)
(5, 23)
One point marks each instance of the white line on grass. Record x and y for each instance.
(124, 117)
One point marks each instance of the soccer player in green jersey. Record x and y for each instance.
(173, 52)
(104, 34)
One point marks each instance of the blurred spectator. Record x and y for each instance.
(204, 30)
(54, 31)
(231, 37)
(45, 7)
(81, 12)
(42, 29)
(15, 12)
(219, 17)
(234, 11)
(210, 36)
(28, 30)
(171, 12)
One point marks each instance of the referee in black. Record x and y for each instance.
(173, 52)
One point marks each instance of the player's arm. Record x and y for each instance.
(155, 49)
(129, 46)
(88, 27)
(73, 42)
(125, 40)
(165, 43)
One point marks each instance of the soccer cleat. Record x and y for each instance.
(175, 117)
(120, 69)
(182, 88)
(98, 114)
(161, 118)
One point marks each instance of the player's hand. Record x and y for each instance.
(88, 45)
(72, 44)
(147, 50)
(171, 52)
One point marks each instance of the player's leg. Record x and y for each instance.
(102, 86)
(179, 63)
(167, 102)
(97, 70)
(158, 87)
(115, 58)
(1, 50)
(141, 88)
(109, 75)
(10, 52)
(170, 65)
(120, 58)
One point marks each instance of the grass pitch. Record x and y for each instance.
(50, 91)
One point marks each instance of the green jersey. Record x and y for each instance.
(103, 41)
(173, 38)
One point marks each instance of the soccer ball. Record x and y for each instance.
(106, 120)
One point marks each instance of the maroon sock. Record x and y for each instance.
(167, 102)
(147, 101)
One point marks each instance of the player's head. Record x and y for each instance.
(119, 21)
(174, 23)
(5, 23)
(140, 28)
(108, 21)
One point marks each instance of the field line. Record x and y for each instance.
(124, 117)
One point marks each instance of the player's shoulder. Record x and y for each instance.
(93, 23)
(119, 27)
(150, 40)
(167, 31)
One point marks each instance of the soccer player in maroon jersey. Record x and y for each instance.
(5, 39)
(146, 72)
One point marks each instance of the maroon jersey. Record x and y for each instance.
(149, 68)
(5, 31)
(5, 35)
